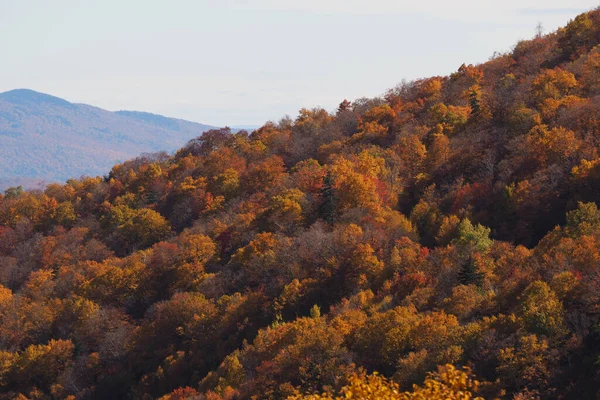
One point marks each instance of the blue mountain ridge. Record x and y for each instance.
(46, 138)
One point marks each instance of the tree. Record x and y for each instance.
(181, 394)
(383, 338)
(263, 175)
(472, 237)
(13, 192)
(438, 152)
(40, 365)
(135, 228)
(344, 106)
(542, 310)
(469, 274)
(527, 364)
(259, 262)
(448, 383)
(475, 100)
(553, 83)
(287, 209)
(556, 145)
(585, 220)
(539, 30)
(578, 36)
(464, 301)
(352, 189)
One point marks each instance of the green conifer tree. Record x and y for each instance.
(327, 206)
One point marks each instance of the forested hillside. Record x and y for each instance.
(451, 223)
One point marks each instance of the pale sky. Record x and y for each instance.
(233, 62)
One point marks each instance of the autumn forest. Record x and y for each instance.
(441, 241)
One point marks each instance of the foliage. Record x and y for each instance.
(448, 383)
(453, 222)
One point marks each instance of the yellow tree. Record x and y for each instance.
(448, 383)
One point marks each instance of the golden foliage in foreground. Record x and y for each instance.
(448, 383)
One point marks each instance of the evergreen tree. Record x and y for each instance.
(327, 206)
(151, 197)
(475, 100)
(469, 274)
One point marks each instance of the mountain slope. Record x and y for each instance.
(48, 138)
(450, 226)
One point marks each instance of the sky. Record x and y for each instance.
(244, 62)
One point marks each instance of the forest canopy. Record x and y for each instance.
(442, 241)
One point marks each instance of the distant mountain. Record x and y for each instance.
(248, 128)
(45, 138)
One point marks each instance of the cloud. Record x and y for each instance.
(458, 9)
(551, 11)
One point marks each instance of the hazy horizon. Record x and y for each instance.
(268, 59)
